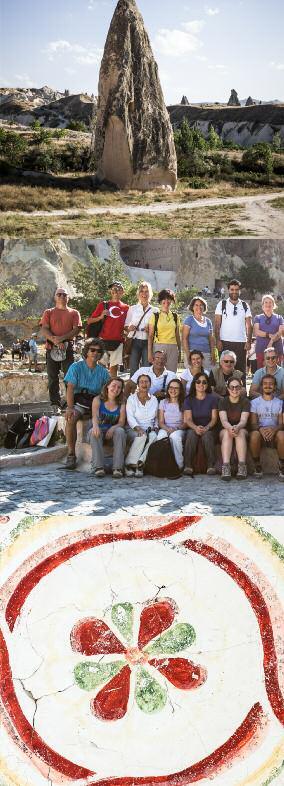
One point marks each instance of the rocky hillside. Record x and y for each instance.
(51, 108)
(243, 125)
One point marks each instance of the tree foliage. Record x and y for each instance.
(12, 146)
(92, 282)
(259, 158)
(15, 296)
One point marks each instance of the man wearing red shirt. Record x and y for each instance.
(112, 321)
(59, 326)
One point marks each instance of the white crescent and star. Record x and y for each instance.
(115, 316)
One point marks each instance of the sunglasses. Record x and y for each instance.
(96, 349)
(228, 361)
(234, 387)
(61, 294)
(235, 311)
(201, 382)
(271, 357)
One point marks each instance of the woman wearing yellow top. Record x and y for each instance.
(164, 331)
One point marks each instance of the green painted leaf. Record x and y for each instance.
(122, 615)
(174, 640)
(89, 675)
(149, 694)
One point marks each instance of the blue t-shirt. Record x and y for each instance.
(268, 325)
(199, 333)
(85, 378)
(201, 408)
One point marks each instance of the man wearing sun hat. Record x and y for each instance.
(111, 317)
(59, 326)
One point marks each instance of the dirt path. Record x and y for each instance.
(259, 218)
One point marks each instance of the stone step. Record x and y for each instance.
(27, 458)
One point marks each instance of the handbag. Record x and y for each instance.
(127, 347)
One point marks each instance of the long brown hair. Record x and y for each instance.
(104, 394)
(181, 395)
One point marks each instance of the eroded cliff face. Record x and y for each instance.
(134, 138)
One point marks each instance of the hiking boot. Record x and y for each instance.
(226, 472)
(71, 461)
(139, 473)
(99, 473)
(281, 473)
(211, 471)
(117, 473)
(129, 472)
(242, 472)
(188, 471)
(258, 472)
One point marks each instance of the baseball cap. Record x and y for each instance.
(61, 291)
(116, 284)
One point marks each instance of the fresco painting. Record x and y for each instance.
(143, 650)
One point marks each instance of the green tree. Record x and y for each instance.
(214, 140)
(12, 146)
(92, 282)
(255, 278)
(77, 125)
(15, 296)
(277, 142)
(35, 125)
(259, 158)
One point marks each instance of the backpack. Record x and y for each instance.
(93, 331)
(160, 460)
(224, 312)
(157, 315)
(19, 434)
(40, 431)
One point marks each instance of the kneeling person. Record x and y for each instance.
(267, 424)
(85, 380)
(108, 413)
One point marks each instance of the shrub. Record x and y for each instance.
(77, 125)
(12, 146)
(259, 158)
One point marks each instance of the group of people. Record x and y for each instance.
(27, 349)
(205, 404)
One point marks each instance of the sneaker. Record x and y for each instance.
(226, 472)
(139, 473)
(99, 473)
(242, 471)
(258, 471)
(129, 473)
(56, 409)
(117, 473)
(211, 471)
(71, 461)
(188, 471)
(281, 473)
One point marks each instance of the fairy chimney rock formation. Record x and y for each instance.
(250, 101)
(234, 99)
(134, 144)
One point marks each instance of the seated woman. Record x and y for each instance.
(234, 412)
(141, 410)
(196, 361)
(171, 418)
(200, 418)
(108, 414)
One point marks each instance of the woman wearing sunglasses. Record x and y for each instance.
(234, 412)
(171, 418)
(200, 418)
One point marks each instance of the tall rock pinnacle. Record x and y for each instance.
(134, 143)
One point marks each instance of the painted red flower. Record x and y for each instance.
(157, 636)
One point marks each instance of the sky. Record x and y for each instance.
(202, 50)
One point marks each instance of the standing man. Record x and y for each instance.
(233, 325)
(33, 351)
(112, 316)
(59, 326)
(85, 379)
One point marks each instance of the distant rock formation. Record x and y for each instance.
(250, 101)
(134, 143)
(184, 101)
(234, 99)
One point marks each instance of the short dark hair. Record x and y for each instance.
(93, 342)
(166, 294)
(235, 282)
(268, 376)
(196, 352)
(192, 389)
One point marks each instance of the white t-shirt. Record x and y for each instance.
(143, 415)
(233, 326)
(134, 315)
(187, 375)
(157, 383)
(268, 411)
